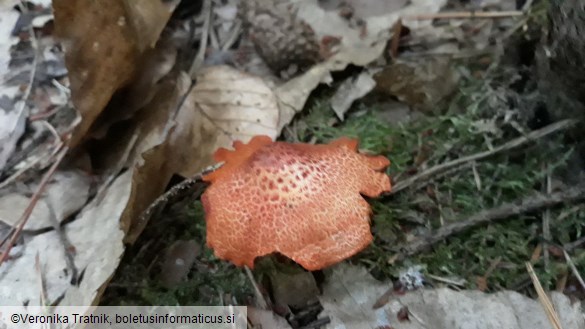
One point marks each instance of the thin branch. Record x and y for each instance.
(466, 14)
(549, 309)
(33, 202)
(527, 204)
(21, 171)
(178, 191)
(546, 222)
(67, 246)
(534, 135)
(199, 58)
(233, 37)
(259, 296)
(574, 269)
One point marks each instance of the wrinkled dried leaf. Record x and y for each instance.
(225, 105)
(95, 255)
(66, 193)
(103, 48)
(351, 292)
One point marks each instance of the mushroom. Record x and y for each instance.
(300, 200)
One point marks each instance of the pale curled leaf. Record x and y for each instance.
(225, 105)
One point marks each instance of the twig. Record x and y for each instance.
(33, 72)
(536, 134)
(457, 283)
(235, 33)
(39, 270)
(528, 204)
(52, 130)
(33, 202)
(447, 173)
(549, 309)
(259, 296)
(67, 246)
(198, 61)
(213, 38)
(21, 171)
(527, 5)
(466, 14)
(476, 176)
(179, 190)
(546, 222)
(574, 269)
(575, 244)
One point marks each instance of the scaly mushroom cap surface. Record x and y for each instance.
(301, 200)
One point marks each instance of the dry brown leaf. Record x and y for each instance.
(225, 105)
(147, 20)
(153, 157)
(103, 49)
(155, 65)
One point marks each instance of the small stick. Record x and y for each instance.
(176, 191)
(466, 14)
(43, 295)
(68, 248)
(574, 269)
(536, 134)
(575, 244)
(549, 309)
(198, 61)
(260, 298)
(33, 202)
(528, 204)
(21, 171)
(546, 223)
(235, 33)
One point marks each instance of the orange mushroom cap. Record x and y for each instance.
(300, 200)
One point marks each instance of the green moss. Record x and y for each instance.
(502, 178)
